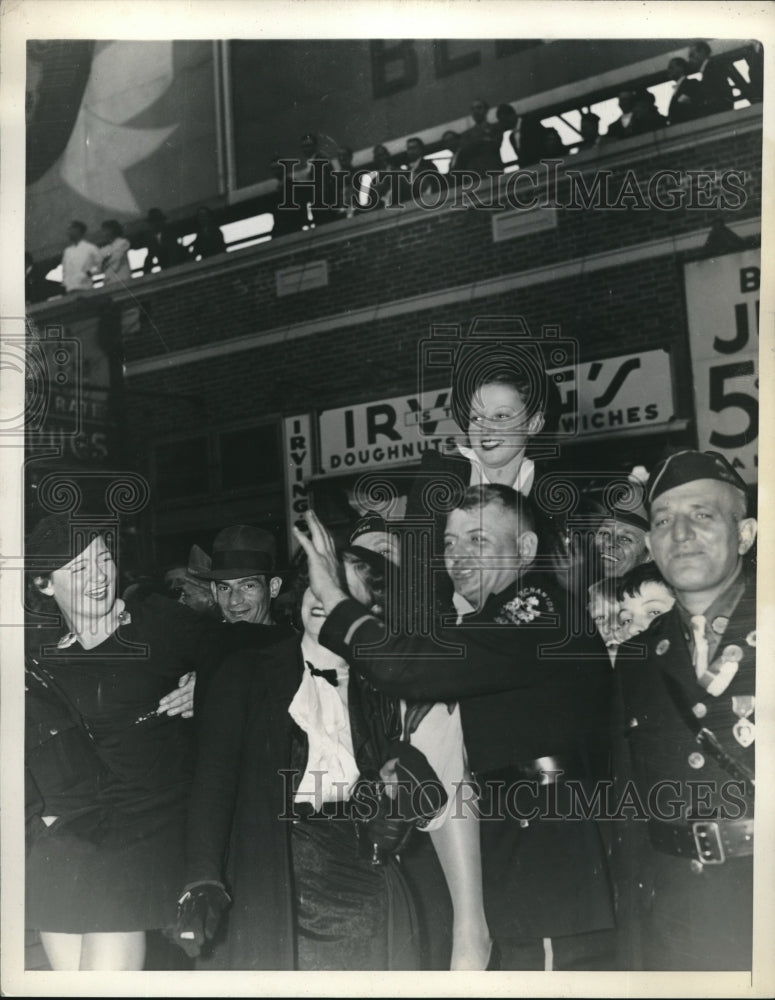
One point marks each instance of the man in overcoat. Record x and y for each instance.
(278, 834)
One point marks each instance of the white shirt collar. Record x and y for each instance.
(462, 606)
(523, 482)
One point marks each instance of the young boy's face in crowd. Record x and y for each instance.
(603, 611)
(638, 611)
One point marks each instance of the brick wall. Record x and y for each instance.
(427, 251)
(612, 311)
(365, 348)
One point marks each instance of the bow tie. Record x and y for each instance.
(328, 675)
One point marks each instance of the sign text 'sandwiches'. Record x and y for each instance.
(599, 398)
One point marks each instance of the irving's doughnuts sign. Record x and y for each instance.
(600, 398)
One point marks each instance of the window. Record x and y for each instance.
(250, 457)
(181, 468)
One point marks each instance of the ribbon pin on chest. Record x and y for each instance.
(718, 676)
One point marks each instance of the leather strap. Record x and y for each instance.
(710, 842)
(705, 737)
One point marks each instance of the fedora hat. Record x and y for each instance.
(238, 551)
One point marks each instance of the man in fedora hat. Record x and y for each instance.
(241, 572)
(243, 583)
(685, 877)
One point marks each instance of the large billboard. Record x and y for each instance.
(360, 92)
(115, 128)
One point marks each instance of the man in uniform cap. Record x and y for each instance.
(684, 872)
(241, 573)
(620, 540)
(371, 532)
(620, 545)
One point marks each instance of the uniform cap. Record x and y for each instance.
(636, 518)
(688, 466)
(367, 524)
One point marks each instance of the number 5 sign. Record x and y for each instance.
(722, 298)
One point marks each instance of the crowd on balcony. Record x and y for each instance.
(703, 84)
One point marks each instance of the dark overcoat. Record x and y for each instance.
(241, 810)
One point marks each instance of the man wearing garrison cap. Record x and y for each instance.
(372, 533)
(687, 730)
(620, 540)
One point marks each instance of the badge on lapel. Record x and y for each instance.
(719, 624)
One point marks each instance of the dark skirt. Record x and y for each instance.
(107, 872)
(350, 914)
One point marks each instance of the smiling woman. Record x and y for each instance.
(85, 590)
(108, 759)
(499, 428)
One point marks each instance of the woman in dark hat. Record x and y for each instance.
(108, 770)
(288, 829)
